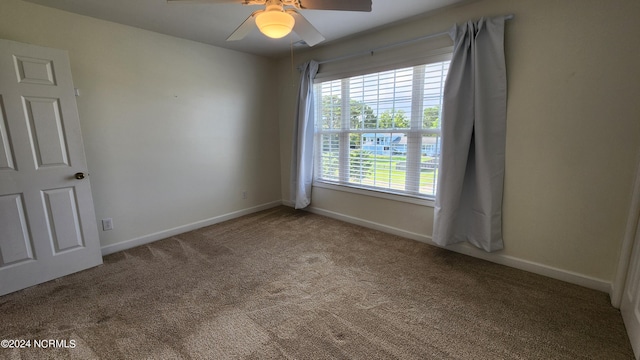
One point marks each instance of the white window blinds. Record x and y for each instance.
(381, 130)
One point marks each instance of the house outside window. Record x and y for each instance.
(381, 131)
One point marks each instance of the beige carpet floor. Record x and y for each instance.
(282, 284)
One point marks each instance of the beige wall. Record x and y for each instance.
(174, 130)
(573, 130)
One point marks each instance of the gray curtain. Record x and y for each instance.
(470, 183)
(303, 132)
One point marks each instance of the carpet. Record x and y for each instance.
(286, 284)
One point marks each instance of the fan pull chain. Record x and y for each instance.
(292, 66)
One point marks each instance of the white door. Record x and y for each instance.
(630, 305)
(47, 220)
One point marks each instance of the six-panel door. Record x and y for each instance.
(47, 220)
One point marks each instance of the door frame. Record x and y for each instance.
(619, 282)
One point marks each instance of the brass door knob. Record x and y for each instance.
(79, 176)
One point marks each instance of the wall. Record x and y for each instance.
(573, 134)
(174, 130)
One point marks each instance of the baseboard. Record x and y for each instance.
(533, 267)
(128, 244)
(288, 203)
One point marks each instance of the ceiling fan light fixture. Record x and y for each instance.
(275, 24)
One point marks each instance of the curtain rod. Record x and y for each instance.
(385, 47)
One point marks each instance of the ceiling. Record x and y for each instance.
(213, 23)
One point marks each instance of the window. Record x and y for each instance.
(381, 131)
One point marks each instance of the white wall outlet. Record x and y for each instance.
(107, 224)
(244, 195)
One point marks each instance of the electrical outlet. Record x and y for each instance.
(244, 195)
(107, 224)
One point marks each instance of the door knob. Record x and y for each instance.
(79, 176)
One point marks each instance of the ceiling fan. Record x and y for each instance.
(280, 17)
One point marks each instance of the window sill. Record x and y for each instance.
(379, 194)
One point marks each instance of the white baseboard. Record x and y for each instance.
(533, 267)
(128, 244)
(530, 266)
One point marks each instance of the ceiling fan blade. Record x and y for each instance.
(345, 5)
(305, 30)
(202, 1)
(243, 2)
(245, 27)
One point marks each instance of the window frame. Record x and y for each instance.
(414, 138)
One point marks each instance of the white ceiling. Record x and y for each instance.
(213, 23)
